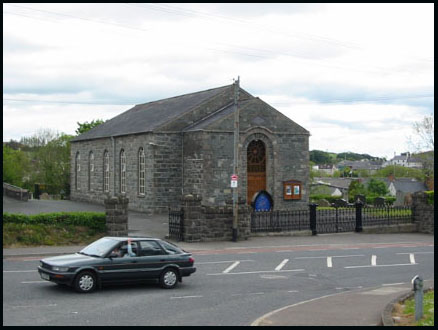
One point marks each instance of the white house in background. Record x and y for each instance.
(404, 159)
(326, 168)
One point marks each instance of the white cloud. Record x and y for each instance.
(297, 57)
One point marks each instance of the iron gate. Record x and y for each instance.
(176, 224)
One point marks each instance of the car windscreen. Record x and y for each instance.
(170, 248)
(100, 248)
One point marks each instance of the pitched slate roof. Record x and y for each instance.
(206, 110)
(149, 116)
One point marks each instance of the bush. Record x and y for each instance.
(92, 220)
(430, 196)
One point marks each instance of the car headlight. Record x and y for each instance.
(60, 269)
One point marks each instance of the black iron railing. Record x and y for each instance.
(275, 221)
(352, 217)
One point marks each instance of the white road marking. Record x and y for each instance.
(329, 262)
(184, 297)
(50, 305)
(281, 265)
(323, 257)
(352, 287)
(19, 271)
(29, 282)
(389, 284)
(373, 260)
(260, 271)
(221, 262)
(426, 252)
(412, 258)
(380, 266)
(226, 271)
(293, 291)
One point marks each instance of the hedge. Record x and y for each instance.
(93, 220)
(329, 198)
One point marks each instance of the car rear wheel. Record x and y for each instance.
(169, 278)
(85, 282)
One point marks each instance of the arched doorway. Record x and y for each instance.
(256, 168)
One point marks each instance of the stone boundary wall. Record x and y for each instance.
(15, 192)
(212, 223)
(423, 213)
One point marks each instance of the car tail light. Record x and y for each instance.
(191, 260)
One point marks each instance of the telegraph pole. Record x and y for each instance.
(236, 160)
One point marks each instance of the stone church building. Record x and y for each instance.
(159, 151)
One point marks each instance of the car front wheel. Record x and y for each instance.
(85, 282)
(169, 278)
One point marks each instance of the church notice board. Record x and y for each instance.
(291, 190)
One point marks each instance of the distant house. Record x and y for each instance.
(405, 159)
(405, 185)
(364, 164)
(398, 187)
(326, 168)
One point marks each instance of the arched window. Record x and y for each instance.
(122, 172)
(90, 168)
(141, 172)
(77, 169)
(106, 171)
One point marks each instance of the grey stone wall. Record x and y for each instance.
(116, 212)
(212, 223)
(423, 213)
(208, 165)
(162, 175)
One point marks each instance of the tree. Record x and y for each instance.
(15, 166)
(377, 187)
(424, 134)
(356, 188)
(85, 127)
(54, 164)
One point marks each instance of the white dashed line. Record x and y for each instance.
(226, 271)
(373, 260)
(19, 271)
(329, 262)
(390, 284)
(281, 265)
(29, 282)
(412, 258)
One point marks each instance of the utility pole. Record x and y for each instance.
(236, 159)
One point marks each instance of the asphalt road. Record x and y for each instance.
(231, 286)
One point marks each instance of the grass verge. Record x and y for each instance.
(26, 235)
(405, 312)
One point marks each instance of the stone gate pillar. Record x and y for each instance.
(116, 211)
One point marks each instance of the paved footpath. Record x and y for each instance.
(360, 307)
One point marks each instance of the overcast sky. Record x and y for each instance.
(355, 75)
